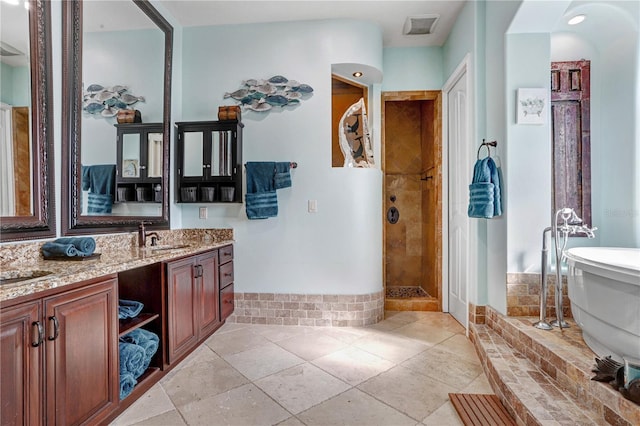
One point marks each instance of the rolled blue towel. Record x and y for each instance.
(131, 359)
(127, 383)
(129, 308)
(52, 249)
(145, 339)
(85, 245)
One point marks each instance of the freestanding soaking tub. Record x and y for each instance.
(604, 289)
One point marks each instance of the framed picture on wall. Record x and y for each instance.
(532, 106)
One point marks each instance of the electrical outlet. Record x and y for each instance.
(203, 212)
(313, 206)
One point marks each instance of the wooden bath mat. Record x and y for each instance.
(480, 410)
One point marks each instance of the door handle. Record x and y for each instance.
(54, 331)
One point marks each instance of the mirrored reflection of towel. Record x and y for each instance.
(99, 180)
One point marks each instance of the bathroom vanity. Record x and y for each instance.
(59, 333)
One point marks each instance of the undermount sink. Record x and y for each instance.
(12, 277)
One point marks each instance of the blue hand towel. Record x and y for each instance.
(99, 203)
(484, 191)
(131, 359)
(86, 245)
(52, 249)
(261, 199)
(127, 383)
(283, 175)
(129, 308)
(99, 179)
(146, 340)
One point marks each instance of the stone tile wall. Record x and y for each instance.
(523, 295)
(308, 309)
(477, 314)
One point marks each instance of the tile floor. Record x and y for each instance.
(396, 372)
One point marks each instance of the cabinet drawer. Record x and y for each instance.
(226, 274)
(226, 254)
(226, 302)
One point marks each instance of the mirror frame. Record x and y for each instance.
(42, 224)
(73, 223)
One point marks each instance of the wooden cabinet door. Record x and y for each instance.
(182, 307)
(81, 335)
(209, 317)
(21, 365)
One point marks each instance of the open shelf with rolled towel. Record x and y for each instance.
(141, 329)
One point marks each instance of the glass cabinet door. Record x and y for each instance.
(221, 153)
(131, 155)
(193, 154)
(154, 155)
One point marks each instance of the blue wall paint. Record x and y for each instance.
(412, 68)
(339, 249)
(15, 83)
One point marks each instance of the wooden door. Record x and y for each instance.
(22, 160)
(182, 307)
(208, 306)
(570, 114)
(459, 177)
(21, 365)
(82, 383)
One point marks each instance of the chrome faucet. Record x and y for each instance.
(143, 234)
(571, 225)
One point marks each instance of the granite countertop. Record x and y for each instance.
(112, 260)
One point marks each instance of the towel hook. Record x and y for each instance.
(487, 144)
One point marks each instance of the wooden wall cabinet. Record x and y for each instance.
(209, 161)
(60, 357)
(139, 162)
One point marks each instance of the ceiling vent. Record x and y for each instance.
(420, 25)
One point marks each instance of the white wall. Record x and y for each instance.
(339, 249)
(412, 68)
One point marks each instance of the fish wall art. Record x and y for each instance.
(105, 102)
(263, 95)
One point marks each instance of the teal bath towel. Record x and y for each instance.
(131, 359)
(53, 249)
(86, 245)
(484, 192)
(282, 178)
(127, 383)
(261, 199)
(146, 340)
(129, 308)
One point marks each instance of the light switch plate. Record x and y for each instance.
(313, 206)
(203, 212)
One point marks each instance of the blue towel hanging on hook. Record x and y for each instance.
(485, 199)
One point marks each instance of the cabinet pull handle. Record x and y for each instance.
(227, 274)
(53, 333)
(37, 334)
(197, 271)
(226, 253)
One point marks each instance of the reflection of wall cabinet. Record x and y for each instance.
(60, 357)
(209, 161)
(139, 162)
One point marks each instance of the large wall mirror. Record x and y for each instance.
(27, 208)
(116, 91)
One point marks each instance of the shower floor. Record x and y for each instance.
(402, 292)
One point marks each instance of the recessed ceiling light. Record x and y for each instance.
(357, 74)
(576, 19)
